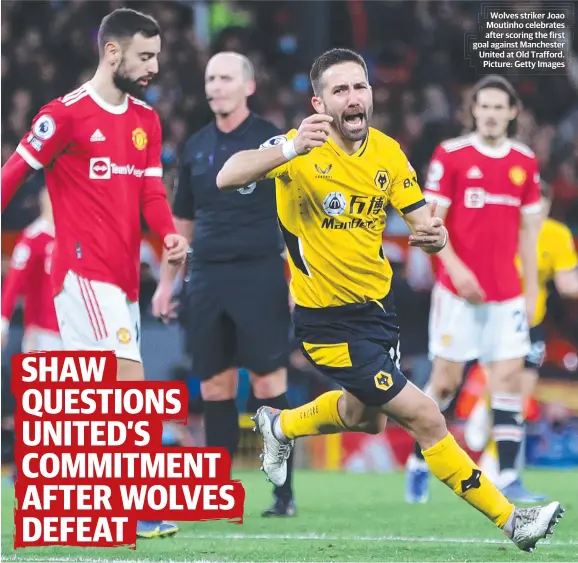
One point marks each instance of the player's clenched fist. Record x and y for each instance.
(177, 247)
(313, 132)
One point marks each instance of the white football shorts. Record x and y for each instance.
(460, 331)
(40, 340)
(97, 316)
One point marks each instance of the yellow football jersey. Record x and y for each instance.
(556, 253)
(331, 210)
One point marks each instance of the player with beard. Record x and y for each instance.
(335, 176)
(100, 147)
(236, 304)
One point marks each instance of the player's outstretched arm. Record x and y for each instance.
(247, 167)
(428, 231)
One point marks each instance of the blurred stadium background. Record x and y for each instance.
(415, 55)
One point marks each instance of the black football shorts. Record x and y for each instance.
(357, 346)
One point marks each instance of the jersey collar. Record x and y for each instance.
(240, 130)
(493, 152)
(359, 152)
(99, 101)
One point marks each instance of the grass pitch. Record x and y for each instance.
(342, 517)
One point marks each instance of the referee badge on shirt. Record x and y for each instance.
(139, 139)
(517, 175)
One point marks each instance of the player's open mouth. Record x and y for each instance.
(143, 82)
(355, 119)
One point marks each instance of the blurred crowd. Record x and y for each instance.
(420, 76)
(414, 50)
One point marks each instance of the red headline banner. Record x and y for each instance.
(89, 455)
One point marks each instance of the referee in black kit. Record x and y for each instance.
(236, 310)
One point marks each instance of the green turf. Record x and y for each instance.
(347, 517)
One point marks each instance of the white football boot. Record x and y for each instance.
(528, 525)
(275, 451)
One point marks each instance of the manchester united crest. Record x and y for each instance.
(517, 175)
(139, 139)
(123, 335)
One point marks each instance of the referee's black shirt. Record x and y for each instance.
(234, 226)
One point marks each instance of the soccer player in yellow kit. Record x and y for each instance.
(334, 178)
(557, 262)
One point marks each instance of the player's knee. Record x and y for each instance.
(506, 376)
(359, 418)
(446, 378)
(374, 424)
(429, 426)
(269, 385)
(351, 410)
(220, 387)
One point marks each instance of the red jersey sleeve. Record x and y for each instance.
(47, 138)
(23, 259)
(155, 205)
(531, 197)
(440, 183)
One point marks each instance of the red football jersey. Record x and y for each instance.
(29, 278)
(102, 167)
(486, 190)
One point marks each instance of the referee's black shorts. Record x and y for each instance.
(237, 315)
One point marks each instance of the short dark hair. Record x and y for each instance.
(125, 23)
(331, 58)
(499, 83)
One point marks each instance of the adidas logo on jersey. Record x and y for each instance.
(474, 173)
(97, 137)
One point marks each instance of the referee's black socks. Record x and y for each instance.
(222, 425)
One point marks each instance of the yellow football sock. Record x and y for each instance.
(454, 467)
(318, 417)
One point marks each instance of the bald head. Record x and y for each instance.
(234, 62)
(229, 81)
